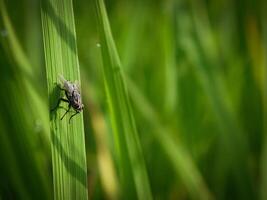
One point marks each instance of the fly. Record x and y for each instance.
(73, 95)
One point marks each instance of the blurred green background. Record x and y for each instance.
(196, 75)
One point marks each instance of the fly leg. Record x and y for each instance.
(66, 112)
(73, 116)
(61, 99)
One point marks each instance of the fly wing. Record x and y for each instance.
(66, 85)
(61, 81)
(77, 85)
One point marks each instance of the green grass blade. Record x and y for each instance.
(67, 139)
(22, 150)
(128, 153)
(263, 164)
(181, 161)
(24, 131)
(107, 173)
(15, 49)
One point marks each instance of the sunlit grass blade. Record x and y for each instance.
(67, 139)
(128, 152)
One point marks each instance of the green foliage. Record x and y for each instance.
(174, 94)
(128, 153)
(67, 137)
(23, 131)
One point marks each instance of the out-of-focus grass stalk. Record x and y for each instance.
(168, 43)
(67, 139)
(11, 167)
(105, 163)
(23, 169)
(128, 152)
(20, 57)
(205, 57)
(136, 24)
(256, 50)
(26, 69)
(177, 155)
(263, 165)
(23, 126)
(106, 167)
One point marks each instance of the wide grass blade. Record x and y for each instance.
(67, 139)
(128, 152)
